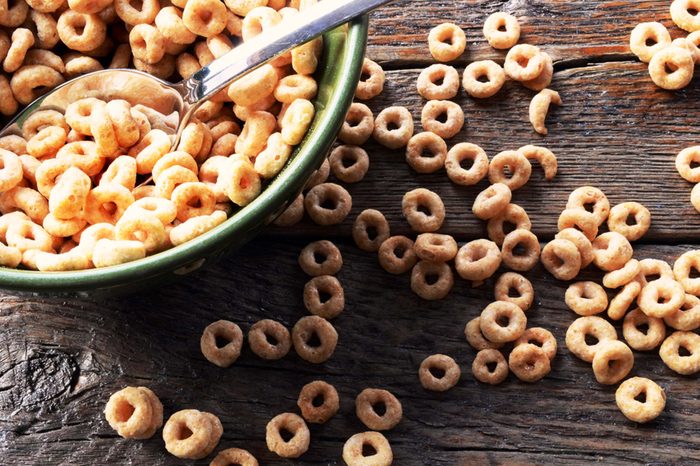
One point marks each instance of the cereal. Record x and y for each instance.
(481, 367)
(254, 86)
(466, 176)
(684, 14)
(195, 227)
(269, 339)
(594, 327)
(661, 297)
(327, 204)
(320, 258)
(331, 290)
(32, 81)
(672, 68)
(22, 41)
(431, 280)
(396, 255)
(516, 165)
(295, 86)
(11, 172)
(358, 125)
(438, 82)
(612, 362)
(478, 260)
(483, 79)
(682, 268)
(365, 409)
(314, 339)
(591, 196)
(648, 38)
(524, 62)
(204, 17)
(492, 201)
(354, 450)
(297, 445)
(522, 286)
(475, 338)
(681, 352)
(439, 373)
(402, 121)
(234, 456)
(650, 268)
(513, 215)
(373, 85)
(544, 79)
(687, 317)
(544, 157)
(221, 343)
(618, 220)
(579, 219)
(502, 30)
(434, 247)
(529, 362)
(643, 340)
(630, 390)
(434, 111)
(423, 209)
(562, 259)
(270, 161)
(146, 228)
(62, 227)
(8, 103)
(80, 31)
(446, 42)
(539, 107)
(134, 412)
(27, 200)
(520, 250)
(426, 152)
(108, 252)
(292, 214)
(541, 338)
(622, 276)
(314, 393)
(611, 251)
(240, 181)
(502, 322)
(370, 230)
(350, 163)
(319, 176)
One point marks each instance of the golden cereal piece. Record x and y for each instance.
(435, 289)
(612, 362)
(425, 152)
(687, 317)
(466, 151)
(226, 354)
(529, 362)
(446, 42)
(438, 82)
(509, 282)
(639, 340)
(134, 412)
(684, 14)
(483, 79)
(670, 352)
(627, 395)
(492, 201)
(478, 260)
(672, 68)
(481, 370)
(370, 230)
(524, 62)
(354, 450)
(435, 110)
(662, 297)
(561, 258)
(401, 119)
(501, 30)
(107, 252)
(315, 413)
(365, 409)
(593, 326)
(373, 85)
(515, 164)
(539, 107)
(502, 322)
(192, 434)
(648, 38)
(439, 373)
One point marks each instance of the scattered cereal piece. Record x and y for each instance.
(483, 79)
(439, 373)
(365, 409)
(612, 362)
(438, 82)
(329, 287)
(318, 402)
(446, 42)
(502, 30)
(627, 395)
(320, 258)
(354, 450)
(481, 367)
(134, 412)
(539, 106)
(222, 355)
(297, 445)
(192, 434)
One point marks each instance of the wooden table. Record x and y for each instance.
(60, 359)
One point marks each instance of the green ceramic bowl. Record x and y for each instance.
(337, 76)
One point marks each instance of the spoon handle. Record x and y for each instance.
(250, 55)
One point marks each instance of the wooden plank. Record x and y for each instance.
(60, 360)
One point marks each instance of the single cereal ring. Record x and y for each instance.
(305, 58)
(579, 219)
(433, 114)
(594, 327)
(682, 268)
(541, 338)
(631, 390)
(431, 280)
(32, 81)
(520, 250)
(25, 235)
(83, 155)
(621, 277)
(186, 195)
(539, 107)
(236, 456)
(529, 362)
(171, 159)
(78, 115)
(107, 204)
(108, 252)
(133, 412)
(350, 163)
(295, 86)
(314, 339)
(651, 269)
(492, 201)
(513, 215)
(561, 258)
(687, 317)
(438, 82)
(401, 120)
(618, 220)
(320, 258)
(517, 165)
(81, 31)
(11, 172)
(239, 181)
(673, 348)
(370, 230)
(318, 402)
(684, 14)
(292, 214)
(484, 360)
(612, 362)
(254, 86)
(524, 62)
(434, 247)
(269, 339)
(622, 302)
(145, 228)
(358, 124)
(648, 38)
(169, 23)
(10, 256)
(661, 297)
(328, 287)
(147, 43)
(544, 79)
(439, 373)
(426, 152)
(47, 142)
(414, 206)
(476, 339)
(63, 227)
(27, 200)
(50, 262)
(446, 42)
(502, 30)
(204, 17)
(396, 255)
(356, 447)
(643, 340)
(672, 68)
(326, 194)
(502, 322)
(296, 121)
(221, 343)
(196, 226)
(365, 410)
(14, 143)
(611, 251)
(294, 425)
(373, 84)
(591, 197)
(257, 129)
(466, 176)
(544, 157)
(522, 286)
(22, 41)
(139, 13)
(483, 79)
(69, 196)
(478, 260)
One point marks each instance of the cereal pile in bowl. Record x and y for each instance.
(101, 184)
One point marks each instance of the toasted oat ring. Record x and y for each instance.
(435, 247)
(141, 12)
(145, 228)
(358, 124)
(349, 163)
(646, 33)
(666, 290)
(684, 14)
(492, 201)
(365, 404)
(295, 425)
(149, 150)
(622, 276)
(370, 230)
(69, 196)
(524, 259)
(107, 204)
(82, 154)
(32, 81)
(612, 362)
(670, 352)
(333, 301)
(446, 42)
(187, 195)
(295, 86)
(239, 181)
(523, 62)
(518, 166)
(611, 251)
(22, 41)
(205, 17)
(26, 200)
(478, 260)
(687, 262)
(415, 203)
(107, 252)
(529, 362)
(544, 157)
(373, 85)
(541, 338)
(618, 220)
(292, 214)
(476, 339)
(514, 281)
(60, 227)
(579, 219)
(426, 152)
(622, 301)
(502, 30)
(311, 394)
(687, 317)
(591, 196)
(396, 255)
(452, 113)
(481, 366)
(43, 119)
(175, 158)
(79, 114)
(431, 280)
(393, 138)
(593, 326)
(169, 23)
(320, 258)
(134, 412)
(47, 142)
(269, 339)
(324, 193)
(445, 75)
(25, 235)
(310, 328)
(221, 355)
(643, 340)
(11, 172)
(502, 322)
(466, 151)
(652, 268)
(562, 259)
(483, 79)
(204, 431)
(13, 15)
(81, 31)
(320, 175)
(439, 373)
(196, 226)
(354, 450)
(147, 43)
(630, 390)
(680, 63)
(514, 215)
(544, 79)
(236, 456)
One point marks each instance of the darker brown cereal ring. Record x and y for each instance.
(466, 151)
(518, 166)
(358, 125)
(320, 258)
(324, 296)
(313, 393)
(529, 363)
(371, 397)
(513, 214)
(370, 230)
(396, 255)
(617, 220)
(478, 260)
(321, 195)
(354, 450)
(515, 258)
(492, 201)
(320, 175)
(269, 339)
(476, 339)
(502, 321)
(426, 152)
(222, 356)
(314, 339)
(539, 337)
(349, 163)
(561, 258)
(292, 214)
(435, 247)
(454, 118)
(234, 456)
(431, 280)
(295, 425)
(480, 367)
(514, 281)
(419, 221)
(439, 373)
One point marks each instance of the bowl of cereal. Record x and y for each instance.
(137, 213)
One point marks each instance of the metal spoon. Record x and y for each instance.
(180, 100)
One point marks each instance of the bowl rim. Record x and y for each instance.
(259, 211)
